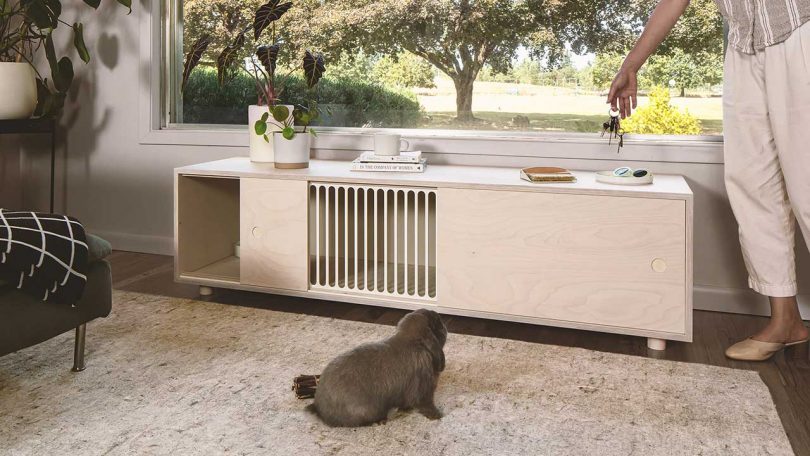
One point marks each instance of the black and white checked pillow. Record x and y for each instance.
(44, 255)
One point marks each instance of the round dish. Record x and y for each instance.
(607, 177)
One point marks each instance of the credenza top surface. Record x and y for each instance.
(439, 176)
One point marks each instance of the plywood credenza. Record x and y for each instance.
(463, 240)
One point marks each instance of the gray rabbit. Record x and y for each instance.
(361, 386)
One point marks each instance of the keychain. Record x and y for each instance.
(614, 129)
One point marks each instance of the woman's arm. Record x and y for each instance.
(624, 90)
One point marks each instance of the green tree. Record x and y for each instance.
(221, 19)
(687, 71)
(604, 69)
(458, 37)
(404, 70)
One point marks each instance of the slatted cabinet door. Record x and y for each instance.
(274, 233)
(582, 261)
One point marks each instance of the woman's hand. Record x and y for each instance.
(624, 90)
(623, 94)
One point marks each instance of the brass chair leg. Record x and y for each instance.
(78, 349)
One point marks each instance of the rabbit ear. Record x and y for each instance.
(441, 363)
(438, 327)
(434, 348)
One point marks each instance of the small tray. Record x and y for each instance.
(607, 177)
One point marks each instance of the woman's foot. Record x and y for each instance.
(780, 332)
(785, 328)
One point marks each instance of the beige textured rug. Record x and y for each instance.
(173, 376)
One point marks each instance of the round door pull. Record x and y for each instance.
(257, 231)
(659, 265)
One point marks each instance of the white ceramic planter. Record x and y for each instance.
(261, 151)
(292, 153)
(18, 90)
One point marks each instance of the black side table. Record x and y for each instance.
(34, 127)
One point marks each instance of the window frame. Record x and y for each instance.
(158, 32)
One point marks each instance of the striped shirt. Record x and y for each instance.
(757, 24)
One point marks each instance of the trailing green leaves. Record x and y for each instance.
(78, 42)
(226, 59)
(193, 57)
(93, 3)
(267, 14)
(313, 68)
(268, 56)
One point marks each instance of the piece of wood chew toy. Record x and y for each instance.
(304, 386)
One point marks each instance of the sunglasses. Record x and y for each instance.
(624, 171)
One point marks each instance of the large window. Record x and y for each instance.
(500, 65)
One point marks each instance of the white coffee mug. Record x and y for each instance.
(389, 144)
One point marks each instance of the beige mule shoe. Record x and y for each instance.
(755, 350)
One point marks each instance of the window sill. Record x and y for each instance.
(700, 149)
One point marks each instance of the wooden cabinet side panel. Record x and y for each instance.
(207, 210)
(274, 233)
(574, 258)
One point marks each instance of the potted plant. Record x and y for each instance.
(26, 26)
(262, 67)
(291, 135)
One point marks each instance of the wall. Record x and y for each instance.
(123, 189)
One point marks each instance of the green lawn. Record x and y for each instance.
(548, 108)
(488, 120)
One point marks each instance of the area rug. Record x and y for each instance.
(175, 376)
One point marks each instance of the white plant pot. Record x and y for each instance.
(18, 90)
(292, 153)
(261, 151)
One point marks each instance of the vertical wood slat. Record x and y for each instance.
(396, 238)
(318, 235)
(385, 240)
(427, 245)
(416, 243)
(326, 237)
(344, 262)
(405, 232)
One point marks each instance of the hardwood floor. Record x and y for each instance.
(787, 375)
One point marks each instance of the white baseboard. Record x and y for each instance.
(159, 245)
(741, 301)
(716, 299)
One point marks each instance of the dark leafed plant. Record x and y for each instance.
(194, 55)
(26, 26)
(313, 68)
(262, 68)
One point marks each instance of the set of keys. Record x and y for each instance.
(613, 128)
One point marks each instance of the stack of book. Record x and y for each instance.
(405, 162)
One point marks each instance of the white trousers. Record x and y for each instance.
(767, 155)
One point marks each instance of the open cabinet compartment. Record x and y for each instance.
(373, 240)
(208, 228)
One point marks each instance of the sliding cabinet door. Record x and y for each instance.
(274, 233)
(588, 260)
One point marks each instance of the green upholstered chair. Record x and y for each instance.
(25, 321)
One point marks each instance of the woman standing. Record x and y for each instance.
(766, 102)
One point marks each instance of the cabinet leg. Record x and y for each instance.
(206, 291)
(656, 344)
